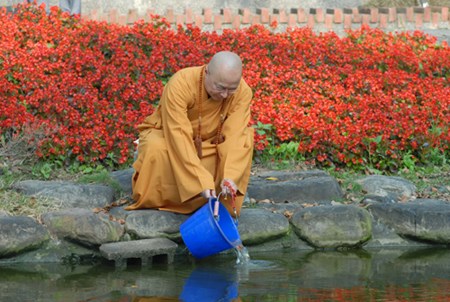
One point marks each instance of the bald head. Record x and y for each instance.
(223, 75)
(226, 63)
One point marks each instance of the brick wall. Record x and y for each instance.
(319, 19)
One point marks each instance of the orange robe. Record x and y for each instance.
(169, 175)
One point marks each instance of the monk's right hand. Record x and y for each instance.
(208, 193)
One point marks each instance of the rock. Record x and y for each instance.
(275, 225)
(333, 226)
(55, 251)
(428, 201)
(4, 213)
(123, 177)
(68, 194)
(295, 210)
(143, 249)
(423, 222)
(19, 234)
(392, 188)
(154, 223)
(384, 236)
(304, 186)
(83, 226)
(372, 198)
(289, 241)
(281, 208)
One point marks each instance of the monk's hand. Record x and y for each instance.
(228, 187)
(208, 193)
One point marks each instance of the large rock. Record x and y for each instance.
(384, 236)
(153, 224)
(275, 225)
(419, 221)
(303, 186)
(56, 251)
(123, 177)
(333, 226)
(68, 194)
(19, 234)
(391, 188)
(83, 226)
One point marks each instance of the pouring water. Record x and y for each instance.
(243, 257)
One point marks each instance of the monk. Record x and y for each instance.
(197, 143)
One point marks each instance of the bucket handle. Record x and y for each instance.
(216, 209)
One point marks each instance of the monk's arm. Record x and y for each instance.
(237, 149)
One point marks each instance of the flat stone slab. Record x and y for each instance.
(144, 249)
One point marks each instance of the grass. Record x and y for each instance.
(14, 203)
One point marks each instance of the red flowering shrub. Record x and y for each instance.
(368, 97)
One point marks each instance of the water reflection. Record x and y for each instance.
(207, 284)
(382, 275)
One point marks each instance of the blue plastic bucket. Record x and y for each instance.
(205, 235)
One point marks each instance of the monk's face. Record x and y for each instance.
(221, 84)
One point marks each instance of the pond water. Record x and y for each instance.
(379, 275)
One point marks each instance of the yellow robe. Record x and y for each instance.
(169, 175)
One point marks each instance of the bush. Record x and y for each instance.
(369, 98)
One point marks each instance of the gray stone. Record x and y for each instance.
(275, 225)
(143, 249)
(304, 186)
(429, 201)
(290, 241)
(278, 207)
(371, 198)
(333, 226)
(396, 188)
(263, 226)
(4, 213)
(68, 194)
(154, 223)
(19, 234)
(423, 222)
(54, 251)
(83, 226)
(123, 177)
(384, 236)
(120, 212)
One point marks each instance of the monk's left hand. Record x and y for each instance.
(208, 193)
(228, 187)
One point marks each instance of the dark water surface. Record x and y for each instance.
(380, 275)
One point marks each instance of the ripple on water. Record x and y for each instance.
(243, 261)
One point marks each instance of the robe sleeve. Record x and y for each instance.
(190, 176)
(234, 151)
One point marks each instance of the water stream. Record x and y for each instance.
(380, 275)
(242, 255)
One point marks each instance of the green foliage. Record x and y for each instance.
(280, 157)
(43, 170)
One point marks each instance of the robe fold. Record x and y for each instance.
(169, 175)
